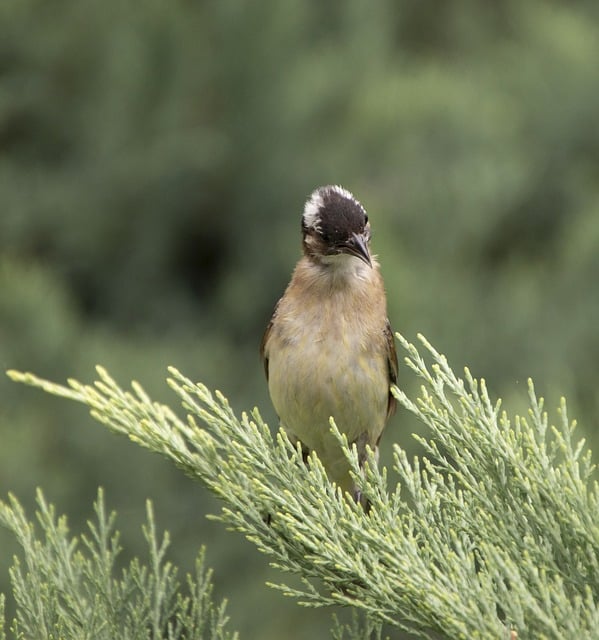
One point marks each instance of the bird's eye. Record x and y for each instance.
(365, 218)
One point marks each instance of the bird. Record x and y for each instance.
(328, 350)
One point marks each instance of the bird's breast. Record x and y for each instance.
(328, 359)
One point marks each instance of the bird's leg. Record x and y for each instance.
(305, 450)
(305, 454)
(361, 441)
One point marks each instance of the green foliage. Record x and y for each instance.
(496, 528)
(70, 587)
(358, 629)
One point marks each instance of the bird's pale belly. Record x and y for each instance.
(330, 378)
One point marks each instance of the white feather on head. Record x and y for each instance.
(313, 206)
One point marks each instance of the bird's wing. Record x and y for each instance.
(265, 337)
(393, 367)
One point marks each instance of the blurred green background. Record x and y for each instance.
(154, 161)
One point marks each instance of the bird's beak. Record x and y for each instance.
(357, 246)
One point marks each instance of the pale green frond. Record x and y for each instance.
(495, 530)
(69, 587)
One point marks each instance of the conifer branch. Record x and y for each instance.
(68, 587)
(494, 532)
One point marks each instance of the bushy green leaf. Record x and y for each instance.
(495, 528)
(70, 587)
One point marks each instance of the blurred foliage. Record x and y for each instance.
(154, 160)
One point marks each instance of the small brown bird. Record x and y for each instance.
(328, 349)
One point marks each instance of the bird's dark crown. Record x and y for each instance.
(334, 223)
(334, 215)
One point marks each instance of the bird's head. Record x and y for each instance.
(335, 224)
